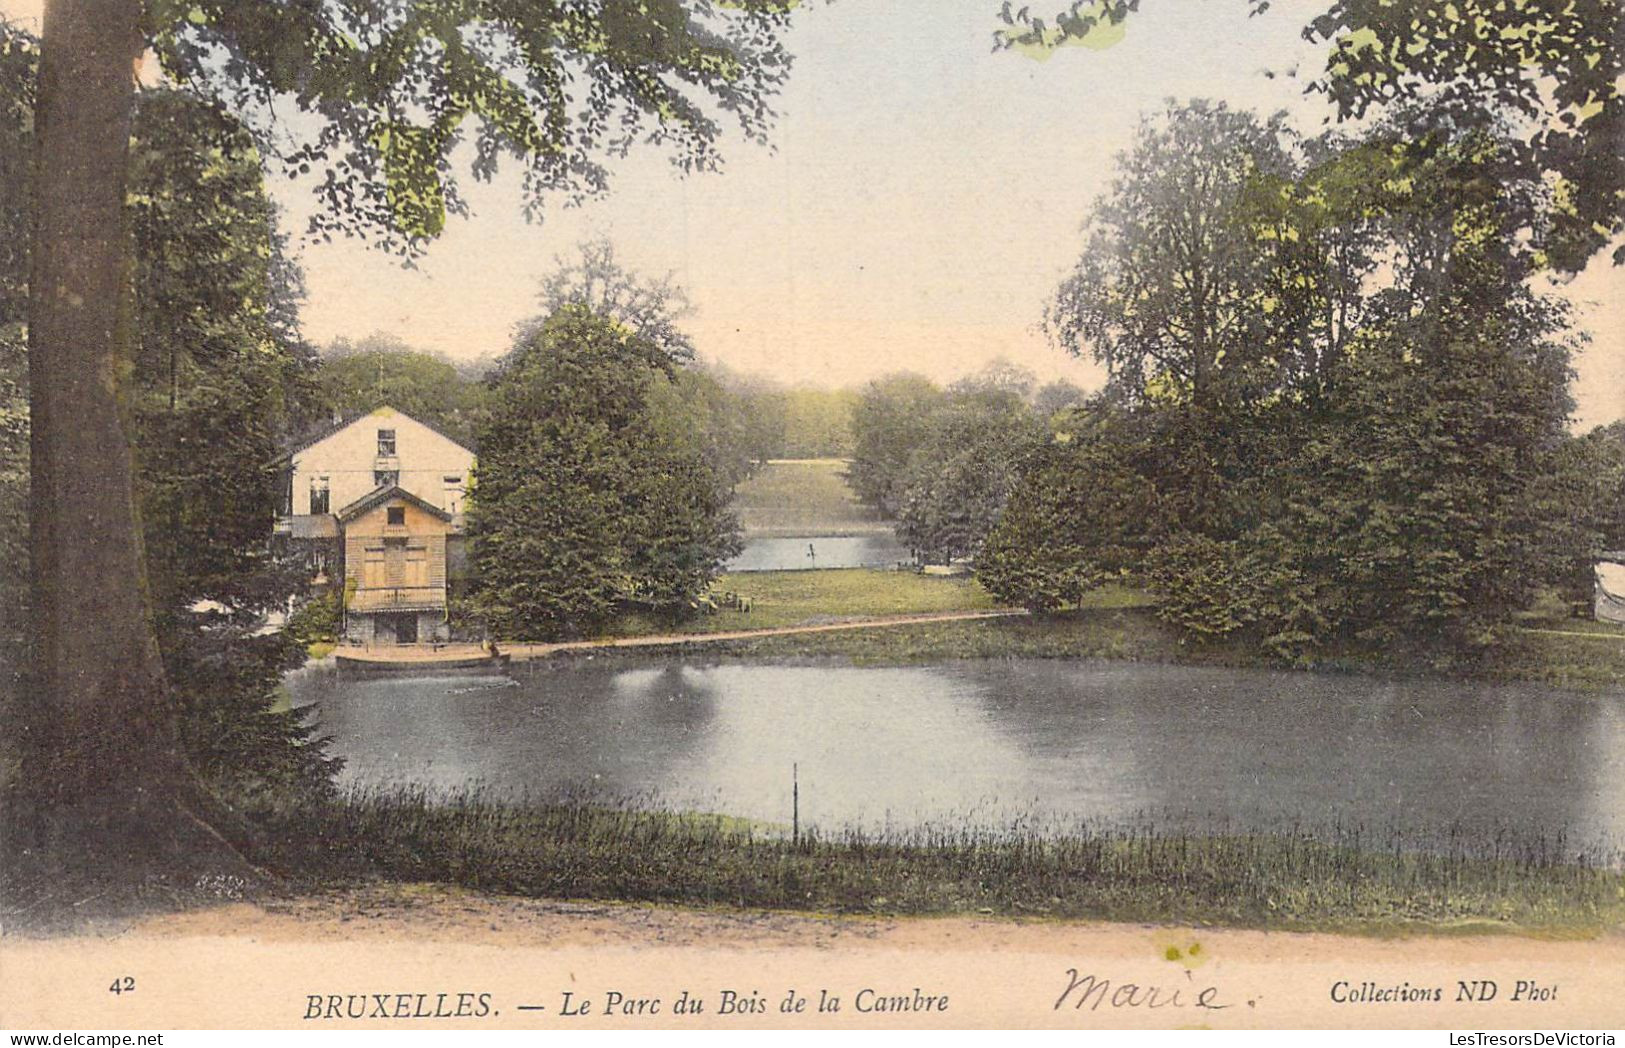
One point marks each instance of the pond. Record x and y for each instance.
(982, 744)
(811, 552)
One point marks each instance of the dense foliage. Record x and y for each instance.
(357, 376)
(561, 88)
(941, 462)
(220, 374)
(1396, 473)
(1552, 68)
(960, 477)
(580, 508)
(217, 374)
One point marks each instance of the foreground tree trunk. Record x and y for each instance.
(103, 781)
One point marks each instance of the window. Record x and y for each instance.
(397, 515)
(454, 493)
(385, 478)
(318, 494)
(386, 443)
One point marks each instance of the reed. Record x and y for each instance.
(1343, 877)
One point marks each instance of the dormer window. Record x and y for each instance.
(396, 515)
(386, 443)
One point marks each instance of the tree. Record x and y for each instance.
(958, 480)
(1604, 459)
(1165, 294)
(17, 69)
(891, 421)
(219, 374)
(649, 308)
(1054, 397)
(700, 409)
(692, 406)
(1079, 515)
(1437, 491)
(580, 510)
(1556, 67)
(393, 86)
(1173, 293)
(817, 422)
(213, 377)
(355, 377)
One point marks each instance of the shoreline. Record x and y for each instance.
(1591, 663)
(403, 656)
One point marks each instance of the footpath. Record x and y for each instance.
(423, 655)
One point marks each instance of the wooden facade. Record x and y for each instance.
(395, 567)
(391, 544)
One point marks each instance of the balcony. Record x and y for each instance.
(398, 598)
(308, 526)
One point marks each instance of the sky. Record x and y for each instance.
(922, 198)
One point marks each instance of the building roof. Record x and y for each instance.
(385, 493)
(316, 437)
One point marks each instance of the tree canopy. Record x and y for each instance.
(1553, 69)
(580, 508)
(354, 377)
(563, 88)
(390, 90)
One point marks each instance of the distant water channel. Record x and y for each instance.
(810, 553)
(1049, 742)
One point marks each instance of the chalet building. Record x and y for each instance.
(376, 505)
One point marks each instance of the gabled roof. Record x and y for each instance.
(301, 443)
(386, 493)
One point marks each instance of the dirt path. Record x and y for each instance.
(262, 964)
(522, 652)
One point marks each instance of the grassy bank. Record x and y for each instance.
(804, 497)
(802, 598)
(1115, 623)
(1345, 881)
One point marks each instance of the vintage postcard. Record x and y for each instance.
(732, 514)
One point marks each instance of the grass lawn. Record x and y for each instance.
(796, 598)
(804, 497)
(811, 598)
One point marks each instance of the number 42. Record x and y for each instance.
(122, 985)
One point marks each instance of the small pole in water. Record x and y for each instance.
(795, 803)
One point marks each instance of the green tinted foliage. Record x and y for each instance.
(1079, 516)
(1553, 67)
(1167, 293)
(890, 423)
(218, 376)
(697, 409)
(958, 481)
(561, 87)
(817, 422)
(215, 373)
(355, 377)
(580, 510)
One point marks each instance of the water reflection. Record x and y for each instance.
(1059, 741)
(805, 554)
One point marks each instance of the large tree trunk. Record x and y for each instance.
(104, 780)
